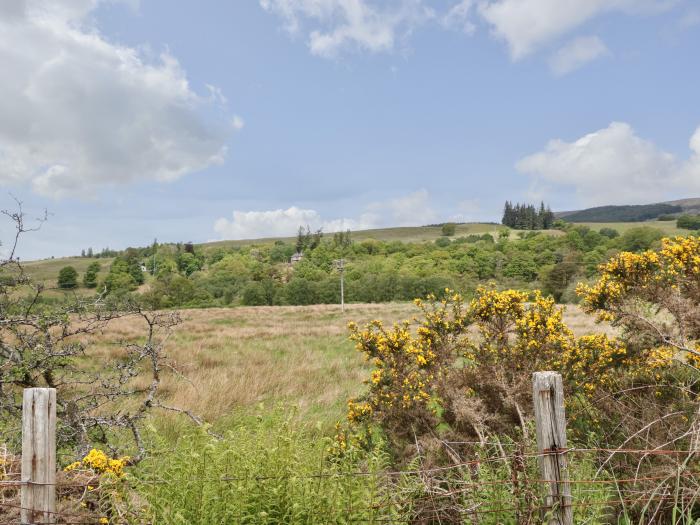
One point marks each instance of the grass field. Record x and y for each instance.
(237, 358)
(405, 234)
(668, 227)
(46, 270)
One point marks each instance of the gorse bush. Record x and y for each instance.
(461, 373)
(437, 376)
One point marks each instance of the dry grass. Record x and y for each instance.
(297, 355)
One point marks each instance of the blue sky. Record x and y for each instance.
(182, 120)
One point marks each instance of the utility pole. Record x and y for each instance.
(342, 285)
(155, 245)
(340, 264)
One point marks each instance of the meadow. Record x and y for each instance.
(293, 356)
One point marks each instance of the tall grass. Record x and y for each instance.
(266, 470)
(271, 469)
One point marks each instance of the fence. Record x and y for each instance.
(448, 494)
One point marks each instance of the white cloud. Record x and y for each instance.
(690, 19)
(272, 223)
(283, 223)
(614, 164)
(413, 209)
(79, 112)
(576, 54)
(342, 25)
(526, 25)
(237, 122)
(459, 16)
(409, 210)
(467, 211)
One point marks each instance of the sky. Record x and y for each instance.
(184, 120)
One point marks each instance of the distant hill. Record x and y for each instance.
(631, 213)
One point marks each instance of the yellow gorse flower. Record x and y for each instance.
(100, 463)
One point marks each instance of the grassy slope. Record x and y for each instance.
(668, 227)
(46, 270)
(406, 234)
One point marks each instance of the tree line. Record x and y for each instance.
(527, 216)
(185, 275)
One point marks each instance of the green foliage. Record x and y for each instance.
(558, 278)
(90, 277)
(527, 217)
(375, 271)
(442, 242)
(273, 470)
(448, 229)
(67, 278)
(638, 239)
(120, 278)
(610, 233)
(688, 222)
(666, 218)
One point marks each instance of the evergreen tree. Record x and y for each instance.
(527, 216)
(90, 277)
(67, 277)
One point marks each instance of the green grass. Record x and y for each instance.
(405, 234)
(668, 227)
(46, 270)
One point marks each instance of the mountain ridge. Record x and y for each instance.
(631, 212)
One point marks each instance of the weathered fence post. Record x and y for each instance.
(38, 456)
(548, 398)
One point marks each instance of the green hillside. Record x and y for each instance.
(636, 213)
(667, 227)
(631, 213)
(46, 270)
(404, 234)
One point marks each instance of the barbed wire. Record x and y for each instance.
(384, 473)
(435, 501)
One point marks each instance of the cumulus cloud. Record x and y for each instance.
(333, 27)
(576, 54)
(343, 25)
(80, 112)
(409, 210)
(615, 163)
(526, 25)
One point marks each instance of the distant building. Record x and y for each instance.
(298, 256)
(143, 268)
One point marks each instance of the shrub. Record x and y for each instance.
(689, 222)
(90, 277)
(442, 242)
(301, 291)
(610, 233)
(640, 238)
(420, 378)
(67, 277)
(448, 229)
(558, 279)
(654, 298)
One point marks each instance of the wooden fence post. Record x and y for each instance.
(550, 420)
(38, 456)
